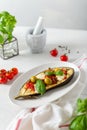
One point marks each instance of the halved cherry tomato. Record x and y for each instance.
(54, 52)
(15, 71)
(64, 58)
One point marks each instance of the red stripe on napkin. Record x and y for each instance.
(82, 62)
(18, 124)
(19, 120)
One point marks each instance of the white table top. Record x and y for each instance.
(76, 40)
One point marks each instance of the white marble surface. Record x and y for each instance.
(75, 40)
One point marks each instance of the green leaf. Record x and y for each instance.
(7, 24)
(40, 87)
(3, 30)
(1, 39)
(80, 120)
(79, 123)
(59, 72)
(49, 73)
(81, 105)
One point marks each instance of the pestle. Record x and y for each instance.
(39, 26)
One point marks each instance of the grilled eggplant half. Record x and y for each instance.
(44, 81)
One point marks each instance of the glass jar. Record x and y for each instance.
(9, 49)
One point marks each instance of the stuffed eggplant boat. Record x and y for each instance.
(42, 82)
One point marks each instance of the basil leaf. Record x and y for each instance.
(40, 87)
(49, 73)
(81, 105)
(79, 123)
(1, 39)
(59, 72)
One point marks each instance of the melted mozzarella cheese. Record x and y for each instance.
(40, 76)
(59, 78)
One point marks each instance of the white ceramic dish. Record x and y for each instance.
(49, 96)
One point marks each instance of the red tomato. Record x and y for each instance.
(64, 71)
(3, 71)
(3, 79)
(54, 79)
(64, 58)
(30, 86)
(54, 52)
(5, 75)
(9, 75)
(15, 71)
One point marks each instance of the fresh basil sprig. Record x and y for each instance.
(7, 24)
(80, 121)
(40, 86)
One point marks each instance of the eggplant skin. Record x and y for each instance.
(50, 87)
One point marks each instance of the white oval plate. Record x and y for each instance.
(49, 96)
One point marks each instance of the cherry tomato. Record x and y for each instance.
(3, 71)
(54, 52)
(15, 71)
(3, 79)
(9, 75)
(64, 58)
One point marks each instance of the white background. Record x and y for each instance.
(57, 13)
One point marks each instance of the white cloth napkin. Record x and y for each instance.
(51, 116)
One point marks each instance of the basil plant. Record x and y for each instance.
(7, 24)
